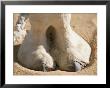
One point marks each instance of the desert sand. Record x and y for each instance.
(83, 24)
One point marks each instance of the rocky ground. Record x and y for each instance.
(83, 24)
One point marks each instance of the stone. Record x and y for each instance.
(15, 17)
(19, 37)
(20, 31)
(59, 43)
(22, 22)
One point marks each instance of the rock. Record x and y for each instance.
(19, 37)
(15, 17)
(20, 31)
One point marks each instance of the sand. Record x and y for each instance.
(83, 24)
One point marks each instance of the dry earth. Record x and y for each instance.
(83, 24)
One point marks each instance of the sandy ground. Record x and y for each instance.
(86, 26)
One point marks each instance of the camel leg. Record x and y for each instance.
(77, 48)
(72, 47)
(34, 50)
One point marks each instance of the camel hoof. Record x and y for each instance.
(79, 65)
(46, 68)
